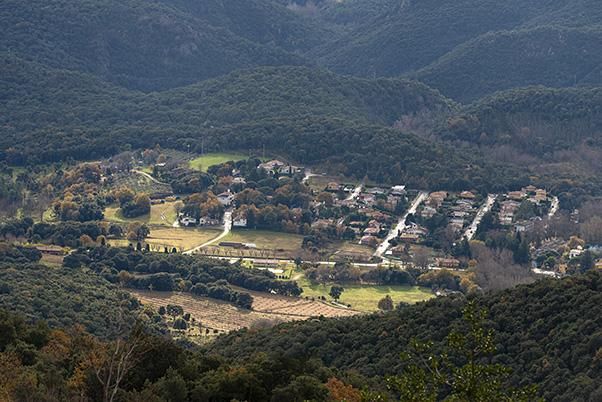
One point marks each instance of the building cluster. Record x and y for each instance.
(276, 167)
(371, 212)
(458, 208)
(512, 201)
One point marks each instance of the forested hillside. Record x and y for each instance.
(65, 298)
(511, 117)
(146, 44)
(269, 22)
(548, 333)
(555, 133)
(311, 115)
(159, 44)
(412, 34)
(555, 57)
(466, 48)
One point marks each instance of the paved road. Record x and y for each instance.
(486, 207)
(401, 225)
(225, 232)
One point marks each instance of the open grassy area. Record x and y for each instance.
(266, 239)
(204, 162)
(161, 214)
(351, 250)
(182, 239)
(365, 297)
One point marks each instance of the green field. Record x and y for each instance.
(204, 162)
(365, 297)
(161, 214)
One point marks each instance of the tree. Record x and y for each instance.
(244, 300)
(175, 310)
(386, 303)
(86, 241)
(522, 254)
(587, 261)
(339, 391)
(462, 371)
(180, 324)
(336, 292)
(111, 363)
(421, 258)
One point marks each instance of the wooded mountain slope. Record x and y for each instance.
(468, 48)
(159, 44)
(309, 114)
(412, 34)
(149, 44)
(555, 57)
(65, 298)
(549, 333)
(537, 119)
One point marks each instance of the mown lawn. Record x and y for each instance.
(365, 297)
(204, 162)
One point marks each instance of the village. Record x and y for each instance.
(270, 213)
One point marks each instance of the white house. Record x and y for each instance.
(240, 222)
(398, 190)
(576, 252)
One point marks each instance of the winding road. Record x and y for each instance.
(225, 232)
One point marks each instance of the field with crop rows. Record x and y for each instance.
(224, 317)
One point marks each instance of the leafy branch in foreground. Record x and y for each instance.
(461, 372)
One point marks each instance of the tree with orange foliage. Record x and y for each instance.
(341, 392)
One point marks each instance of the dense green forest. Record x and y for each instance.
(340, 121)
(65, 297)
(143, 44)
(408, 35)
(572, 116)
(68, 74)
(548, 333)
(551, 56)
(159, 44)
